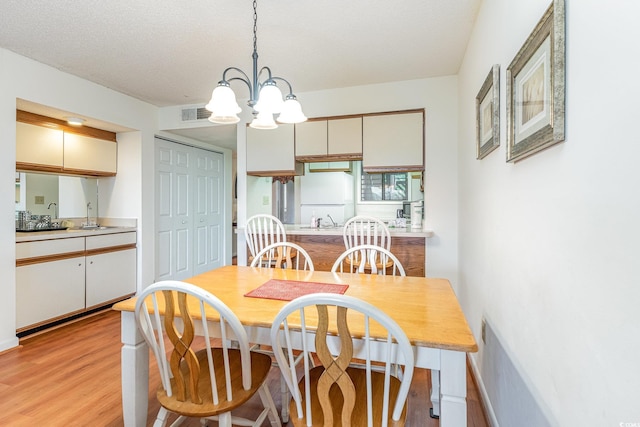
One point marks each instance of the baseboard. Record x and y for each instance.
(484, 397)
(9, 344)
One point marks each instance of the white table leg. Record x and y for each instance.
(453, 389)
(135, 373)
(435, 394)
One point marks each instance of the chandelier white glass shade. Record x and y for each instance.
(265, 97)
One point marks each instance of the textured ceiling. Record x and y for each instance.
(173, 52)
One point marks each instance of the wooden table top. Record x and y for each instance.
(426, 309)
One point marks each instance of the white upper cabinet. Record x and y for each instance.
(91, 155)
(344, 138)
(271, 152)
(39, 147)
(329, 140)
(311, 138)
(393, 142)
(45, 144)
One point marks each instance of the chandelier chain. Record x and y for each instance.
(255, 25)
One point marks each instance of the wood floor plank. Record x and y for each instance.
(70, 376)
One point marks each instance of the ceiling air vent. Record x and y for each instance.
(191, 114)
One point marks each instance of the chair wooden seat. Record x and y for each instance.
(388, 265)
(283, 255)
(279, 258)
(359, 415)
(368, 259)
(260, 366)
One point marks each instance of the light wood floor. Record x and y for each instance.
(70, 376)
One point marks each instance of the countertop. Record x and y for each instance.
(32, 236)
(302, 230)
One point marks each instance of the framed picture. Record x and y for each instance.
(536, 88)
(488, 114)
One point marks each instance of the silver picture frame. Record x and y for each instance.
(488, 114)
(536, 88)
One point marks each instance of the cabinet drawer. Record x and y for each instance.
(107, 240)
(49, 247)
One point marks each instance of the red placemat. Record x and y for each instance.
(287, 290)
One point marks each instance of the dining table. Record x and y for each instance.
(425, 308)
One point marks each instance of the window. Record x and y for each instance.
(392, 186)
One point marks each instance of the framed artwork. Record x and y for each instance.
(488, 114)
(536, 88)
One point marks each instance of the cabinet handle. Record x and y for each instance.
(201, 219)
(184, 222)
(90, 262)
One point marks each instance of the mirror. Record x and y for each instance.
(58, 196)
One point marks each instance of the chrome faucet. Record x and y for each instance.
(55, 209)
(335, 224)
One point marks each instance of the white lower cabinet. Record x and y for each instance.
(49, 290)
(110, 276)
(62, 277)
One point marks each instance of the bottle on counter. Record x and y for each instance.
(314, 223)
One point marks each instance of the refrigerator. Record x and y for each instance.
(327, 193)
(284, 206)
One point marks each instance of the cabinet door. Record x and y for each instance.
(83, 153)
(110, 276)
(311, 138)
(330, 166)
(393, 142)
(271, 152)
(48, 290)
(39, 146)
(345, 137)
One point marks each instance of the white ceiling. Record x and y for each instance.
(173, 52)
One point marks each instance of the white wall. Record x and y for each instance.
(439, 97)
(549, 246)
(26, 79)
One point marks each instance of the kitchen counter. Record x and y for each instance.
(303, 230)
(325, 244)
(32, 236)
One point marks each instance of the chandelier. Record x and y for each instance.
(265, 98)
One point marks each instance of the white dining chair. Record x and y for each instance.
(369, 259)
(366, 230)
(283, 255)
(199, 379)
(334, 390)
(262, 230)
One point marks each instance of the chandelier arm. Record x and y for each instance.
(245, 82)
(268, 71)
(286, 81)
(245, 79)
